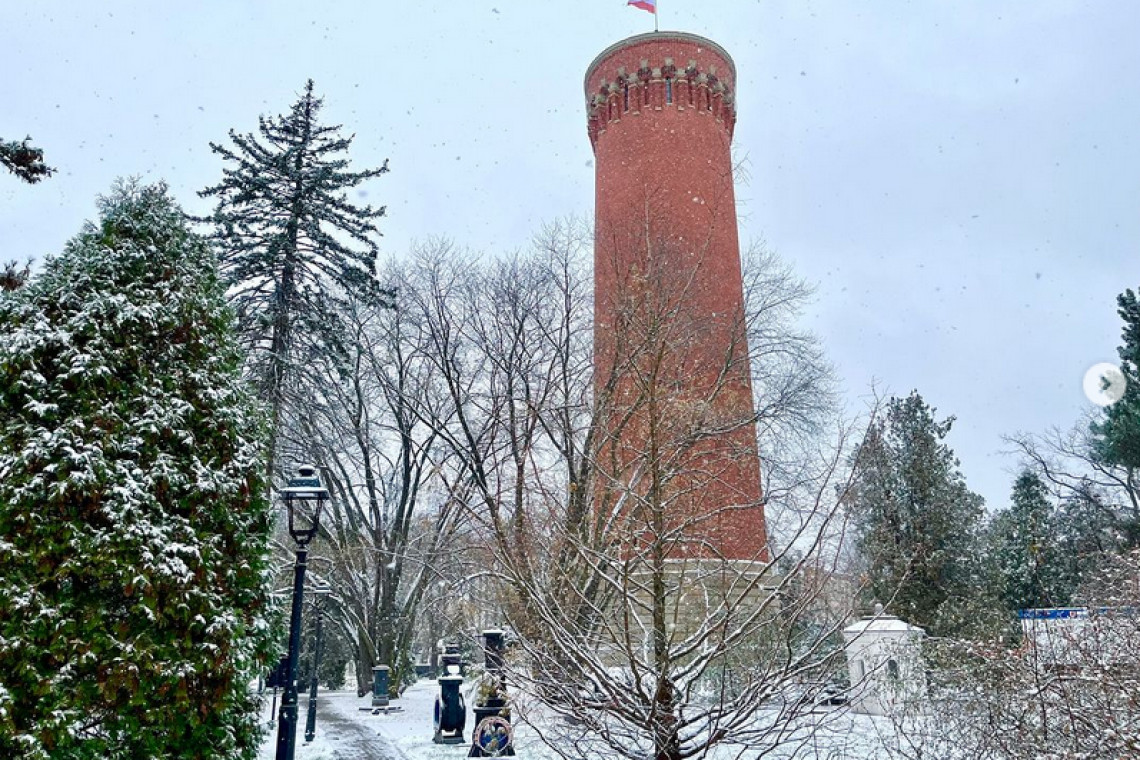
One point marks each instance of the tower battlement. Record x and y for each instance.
(662, 71)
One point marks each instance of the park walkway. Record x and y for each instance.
(343, 731)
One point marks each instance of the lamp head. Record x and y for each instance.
(304, 498)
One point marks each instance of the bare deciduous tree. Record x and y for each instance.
(370, 421)
(1068, 460)
(589, 533)
(678, 630)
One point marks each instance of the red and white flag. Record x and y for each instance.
(645, 5)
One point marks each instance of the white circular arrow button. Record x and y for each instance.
(1104, 384)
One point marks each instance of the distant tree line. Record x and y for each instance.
(1070, 536)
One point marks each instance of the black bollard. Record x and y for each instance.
(380, 686)
(450, 716)
(380, 701)
(450, 711)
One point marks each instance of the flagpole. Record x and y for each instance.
(655, 7)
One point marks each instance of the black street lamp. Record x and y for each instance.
(320, 593)
(304, 498)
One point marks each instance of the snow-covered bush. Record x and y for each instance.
(1068, 692)
(133, 522)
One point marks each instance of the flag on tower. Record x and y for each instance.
(645, 5)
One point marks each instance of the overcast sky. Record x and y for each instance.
(960, 179)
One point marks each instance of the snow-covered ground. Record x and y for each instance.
(346, 732)
(343, 732)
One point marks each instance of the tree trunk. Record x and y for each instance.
(365, 659)
(666, 742)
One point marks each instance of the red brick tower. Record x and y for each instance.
(670, 342)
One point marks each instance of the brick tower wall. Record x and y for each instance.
(661, 113)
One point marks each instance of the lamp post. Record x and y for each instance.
(304, 498)
(320, 594)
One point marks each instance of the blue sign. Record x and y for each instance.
(1053, 613)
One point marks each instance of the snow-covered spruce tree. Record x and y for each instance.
(292, 244)
(133, 526)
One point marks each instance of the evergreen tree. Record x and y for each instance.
(133, 529)
(24, 161)
(1030, 566)
(1117, 437)
(293, 247)
(13, 275)
(1088, 537)
(917, 521)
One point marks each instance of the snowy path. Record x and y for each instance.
(410, 731)
(343, 731)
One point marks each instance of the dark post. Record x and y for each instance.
(311, 719)
(275, 681)
(304, 497)
(493, 735)
(450, 711)
(380, 686)
(287, 719)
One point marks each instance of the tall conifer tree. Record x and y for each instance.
(916, 518)
(293, 246)
(1118, 435)
(1026, 548)
(133, 527)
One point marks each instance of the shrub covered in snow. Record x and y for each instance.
(1070, 691)
(133, 522)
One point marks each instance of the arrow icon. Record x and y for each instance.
(1104, 384)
